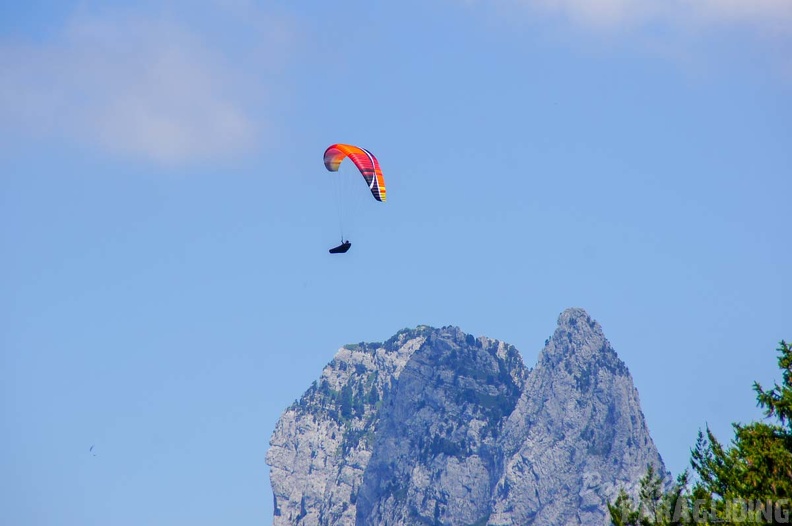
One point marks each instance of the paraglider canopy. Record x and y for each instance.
(364, 160)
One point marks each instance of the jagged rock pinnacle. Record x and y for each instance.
(436, 426)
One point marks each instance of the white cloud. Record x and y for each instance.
(741, 11)
(620, 14)
(597, 13)
(697, 35)
(144, 87)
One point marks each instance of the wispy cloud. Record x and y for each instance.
(600, 14)
(615, 14)
(775, 13)
(139, 85)
(698, 35)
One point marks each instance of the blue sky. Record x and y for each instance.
(165, 216)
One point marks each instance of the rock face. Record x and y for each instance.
(437, 427)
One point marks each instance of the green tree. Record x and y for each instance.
(756, 468)
(346, 402)
(746, 482)
(657, 505)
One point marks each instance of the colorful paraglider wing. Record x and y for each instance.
(364, 160)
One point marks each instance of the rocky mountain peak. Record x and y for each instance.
(436, 426)
(437, 442)
(577, 336)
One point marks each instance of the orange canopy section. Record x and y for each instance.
(364, 160)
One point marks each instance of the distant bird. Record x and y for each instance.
(91, 450)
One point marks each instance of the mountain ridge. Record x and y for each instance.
(436, 426)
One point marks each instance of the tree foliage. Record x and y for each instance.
(656, 503)
(748, 481)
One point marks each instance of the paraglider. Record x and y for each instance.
(369, 168)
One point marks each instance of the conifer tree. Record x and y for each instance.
(747, 482)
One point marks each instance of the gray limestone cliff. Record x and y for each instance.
(437, 427)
